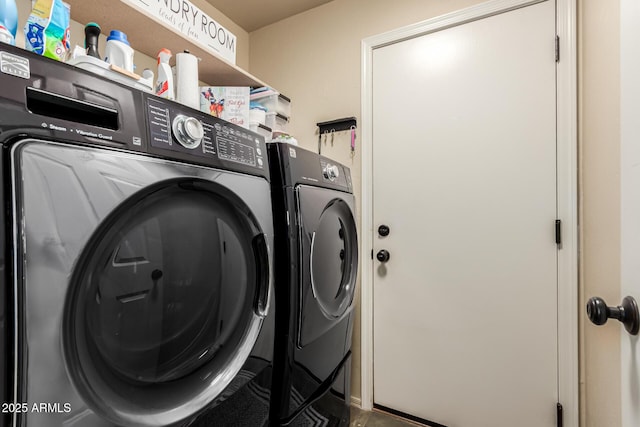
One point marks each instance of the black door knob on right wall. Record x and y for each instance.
(627, 313)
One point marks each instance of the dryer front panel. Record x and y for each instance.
(141, 285)
(329, 259)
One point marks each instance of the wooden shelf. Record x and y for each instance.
(148, 35)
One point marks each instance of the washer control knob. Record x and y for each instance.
(331, 172)
(188, 131)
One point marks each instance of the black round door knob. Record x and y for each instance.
(627, 313)
(383, 255)
(383, 230)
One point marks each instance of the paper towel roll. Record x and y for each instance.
(187, 91)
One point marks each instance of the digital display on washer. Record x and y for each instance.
(235, 151)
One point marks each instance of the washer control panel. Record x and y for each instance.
(186, 131)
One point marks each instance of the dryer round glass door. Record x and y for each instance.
(165, 302)
(329, 257)
(334, 258)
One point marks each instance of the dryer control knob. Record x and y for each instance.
(188, 131)
(331, 172)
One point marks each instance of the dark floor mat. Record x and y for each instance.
(243, 404)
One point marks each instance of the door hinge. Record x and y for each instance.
(557, 48)
(371, 253)
(558, 232)
(559, 415)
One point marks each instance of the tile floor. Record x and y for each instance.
(360, 418)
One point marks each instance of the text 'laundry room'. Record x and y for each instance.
(340, 213)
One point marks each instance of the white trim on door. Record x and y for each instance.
(567, 196)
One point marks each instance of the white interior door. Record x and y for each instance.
(464, 167)
(630, 196)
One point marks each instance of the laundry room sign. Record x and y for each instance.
(192, 22)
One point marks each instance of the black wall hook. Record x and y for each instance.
(338, 125)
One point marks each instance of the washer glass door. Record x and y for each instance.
(163, 294)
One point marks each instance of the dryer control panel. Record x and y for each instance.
(333, 172)
(306, 167)
(197, 137)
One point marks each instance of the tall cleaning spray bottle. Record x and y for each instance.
(164, 82)
(8, 21)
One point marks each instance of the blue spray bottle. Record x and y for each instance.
(8, 21)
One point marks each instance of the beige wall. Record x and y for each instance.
(599, 136)
(315, 59)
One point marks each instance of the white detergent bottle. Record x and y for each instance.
(118, 51)
(164, 82)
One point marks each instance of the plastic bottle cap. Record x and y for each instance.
(164, 55)
(93, 24)
(118, 36)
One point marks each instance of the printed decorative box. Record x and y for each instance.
(229, 103)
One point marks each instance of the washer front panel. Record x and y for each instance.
(105, 242)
